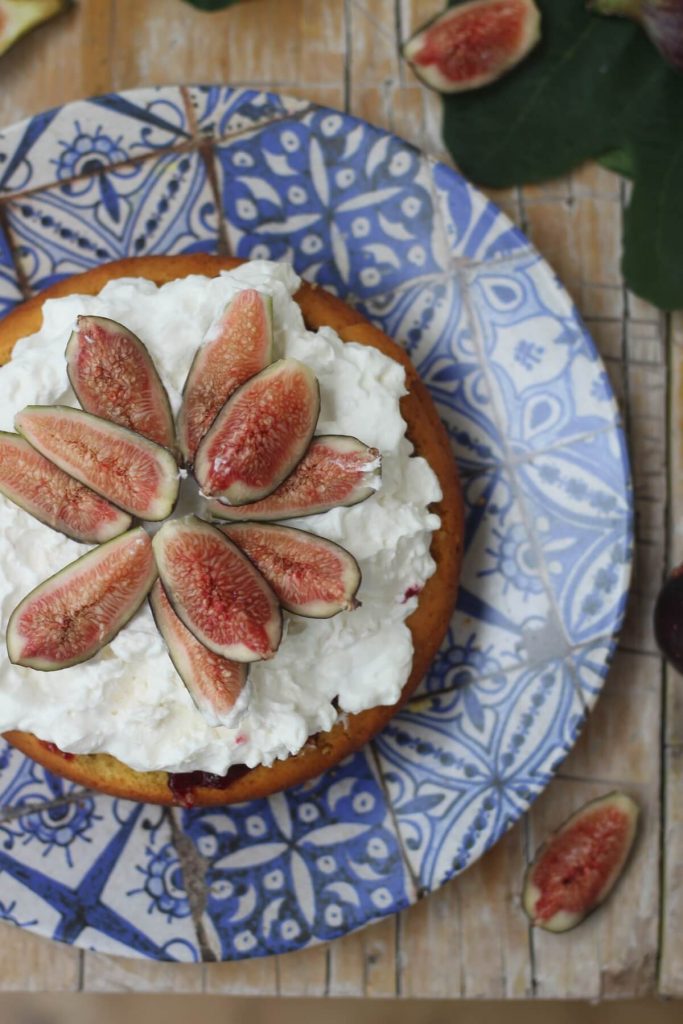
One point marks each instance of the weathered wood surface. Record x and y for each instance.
(470, 939)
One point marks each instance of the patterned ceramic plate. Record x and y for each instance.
(534, 428)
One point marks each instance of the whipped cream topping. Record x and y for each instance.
(129, 700)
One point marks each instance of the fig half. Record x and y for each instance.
(309, 575)
(236, 347)
(138, 475)
(577, 867)
(260, 434)
(114, 377)
(336, 470)
(215, 590)
(76, 612)
(17, 17)
(53, 497)
(214, 683)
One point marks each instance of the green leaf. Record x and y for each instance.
(211, 5)
(620, 161)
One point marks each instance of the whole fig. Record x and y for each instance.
(661, 19)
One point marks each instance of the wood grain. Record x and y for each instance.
(470, 938)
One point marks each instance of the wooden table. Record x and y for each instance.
(470, 939)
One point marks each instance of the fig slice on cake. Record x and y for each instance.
(214, 683)
(75, 613)
(216, 591)
(260, 434)
(138, 475)
(53, 497)
(238, 345)
(113, 376)
(310, 576)
(336, 470)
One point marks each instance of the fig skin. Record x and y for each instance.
(668, 618)
(662, 20)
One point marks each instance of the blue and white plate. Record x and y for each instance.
(536, 433)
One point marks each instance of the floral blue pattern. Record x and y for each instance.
(536, 433)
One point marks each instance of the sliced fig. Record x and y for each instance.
(114, 377)
(138, 475)
(309, 575)
(79, 610)
(577, 866)
(336, 470)
(17, 17)
(473, 43)
(214, 683)
(260, 434)
(216, 591)
(52, 496)
(237, 346)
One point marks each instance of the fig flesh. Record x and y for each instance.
(17, 17)
(310, 576)
(473, 43)
(138, 475)
(216, 591)
(336, 470)
(53, 497)
(237, 346)
(79, 610)
(214, 683)
(113, 376)
(260, 434)
(577, 867)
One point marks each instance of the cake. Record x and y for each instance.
(83, 743)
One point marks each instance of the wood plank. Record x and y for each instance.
(103, 973)
(303, 973)
(671, 965)
(243, 978)
(363, 964)
(29, 963)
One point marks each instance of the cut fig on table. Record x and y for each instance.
(114, 376)
(216, 591)
(237, 346)
(309, 575)
(17, 17)
(214, 683)
(79, 610)
(335, 471)
(578, 865)
(260, 434)
(53, 497)
(138, 475)
(474, 43)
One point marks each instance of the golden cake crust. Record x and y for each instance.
(428, 623)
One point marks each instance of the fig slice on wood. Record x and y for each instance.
(578, 865)
(114, 377)
(260, 434)
(138, 475)
(74, 614)
(216, 591)
(214, 683)
(53, 497)
(310, 576)
(17, 17)
(236, 347)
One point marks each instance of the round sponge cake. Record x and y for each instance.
(428, 623)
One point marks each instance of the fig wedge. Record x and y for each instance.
(113, 376)
(138, 475)
(216, 591)
(310, 576)
(578, 865)
(214, 683)
(17, 17)
(79, 610)
(53, 497)
(260, 434)
(236, 347)
(336, 470)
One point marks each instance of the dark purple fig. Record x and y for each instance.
(238, 346)
(55, 498)
(668, 618)
(214, 683)
(138, 475)
(577, 867)
(113, 376)
(661, 19)
(216, 591)
(473, 43)
(75, 613)
(336, 470)
(309, 575)
(260, 434)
